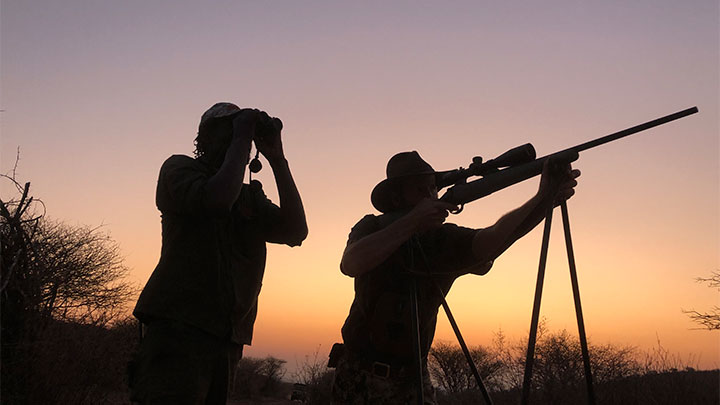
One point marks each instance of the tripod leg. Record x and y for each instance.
(578, 307)
(465, 350)
(416, 340)
(536, 309)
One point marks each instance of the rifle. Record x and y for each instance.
(519, 164)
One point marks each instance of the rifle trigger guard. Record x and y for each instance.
(459, 210)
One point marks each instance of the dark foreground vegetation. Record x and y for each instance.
(65, 335)
(71, 363)
(66, 339)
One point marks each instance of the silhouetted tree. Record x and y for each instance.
(273, 369)
(55, 279)
(709, 320)
(255, 377)
(316, 377)
(81, 274)
(51, 270)
(449, 368)
(558, 372)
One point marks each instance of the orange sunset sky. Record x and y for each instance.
(97, 94)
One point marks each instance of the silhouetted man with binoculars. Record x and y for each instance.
(199, 306)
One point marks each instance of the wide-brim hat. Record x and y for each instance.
(217, 111)
(400, 167)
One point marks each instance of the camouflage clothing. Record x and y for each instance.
(356, 385)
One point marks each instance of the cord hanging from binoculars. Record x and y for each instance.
(255, 165)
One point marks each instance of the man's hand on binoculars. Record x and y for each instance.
(244, 124)
(270, 144)
(246, 129)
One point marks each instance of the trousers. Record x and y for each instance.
(179, 364)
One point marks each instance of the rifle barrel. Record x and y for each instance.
(471, 191)
(633, 130)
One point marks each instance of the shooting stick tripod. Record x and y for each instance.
(533, 325)
(536, 307)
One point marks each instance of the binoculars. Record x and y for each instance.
(267, 127)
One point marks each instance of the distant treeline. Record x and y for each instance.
(622, 374)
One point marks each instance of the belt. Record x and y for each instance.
(382, 369)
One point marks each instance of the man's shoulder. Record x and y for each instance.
(376, 221)
(371, 223)
(451, 227)
(365, 221)
(366, 218)
(183, 162)
(365, 226)
(180, 160)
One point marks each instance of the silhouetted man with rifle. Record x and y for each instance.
(200, 303)
(411, 243)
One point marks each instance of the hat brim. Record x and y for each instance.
(381, 196)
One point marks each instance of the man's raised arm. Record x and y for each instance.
(293, 226)
(223, 188)
(556, 185)
(369, 252)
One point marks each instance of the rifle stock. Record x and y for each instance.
(463, 193)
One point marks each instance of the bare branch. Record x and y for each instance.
(17, 160)
(708, 320)
(713, 281)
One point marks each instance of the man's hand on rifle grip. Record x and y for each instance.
(558, 181)
(429, 214)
